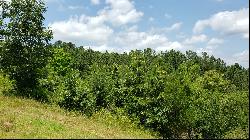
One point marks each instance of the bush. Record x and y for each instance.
(238, 133)
(214, 108)
(6, 85)
(78, 96)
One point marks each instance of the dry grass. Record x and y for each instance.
(25, 118)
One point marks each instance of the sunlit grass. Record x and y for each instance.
(25, 118)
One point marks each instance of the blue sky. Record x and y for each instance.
(219, 27)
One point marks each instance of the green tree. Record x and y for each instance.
(174, 58)
(54, 75)
(238, 76)
(26, 39)
(214, 107)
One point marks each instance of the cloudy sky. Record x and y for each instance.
(219, 27)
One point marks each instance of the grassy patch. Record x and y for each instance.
(25, 118)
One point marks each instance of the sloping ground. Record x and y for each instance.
(25, 118)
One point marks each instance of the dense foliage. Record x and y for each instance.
(24, 49)
(176, 94)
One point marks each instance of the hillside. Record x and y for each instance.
(93, 84)
(25, 118)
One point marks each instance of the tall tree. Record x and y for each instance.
(26, 38)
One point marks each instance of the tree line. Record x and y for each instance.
(169, 92)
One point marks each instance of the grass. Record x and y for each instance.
(26, 118)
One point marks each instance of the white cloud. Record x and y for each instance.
(131, 28)
(71, 7)
(138, 40)
(196, 39)
(117, 12)
(48, 1)
(101, 37)
(241, 58)
(215, 41)
(212, 45)
(81, 28)
(120, 12)
(132, 39)
(101, 48)
(95, 2)
(170, 45)
(181, 35)
(94, 28)
(174, 27)
(227, 22)
(210, 49)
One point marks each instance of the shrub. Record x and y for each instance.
(78, 96)
(238, 133)
(6, 85)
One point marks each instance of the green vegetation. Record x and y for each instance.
(174, 94)
(25, 118)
